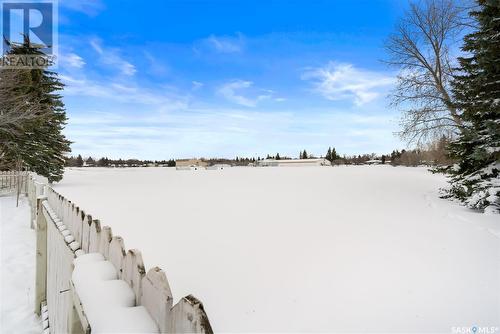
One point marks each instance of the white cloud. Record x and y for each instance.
(196, 85)
(230, 92)
(110, 56)
(337, 81)
(226, 44)
(156, 66)
(72, 60)
(88, 7)
(119, 92)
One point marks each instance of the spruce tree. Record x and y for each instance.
(79, 161)
(475, 178)
(329, 154)
(39, 144)
(335, 156)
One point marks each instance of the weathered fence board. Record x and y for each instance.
(106, 237)
(95, 236)
(133, 272)
(188, 316)
(77, 223)
(117, 254)
(87, 221)
(157, 297)
(41, 258)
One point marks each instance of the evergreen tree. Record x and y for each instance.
(70, 162)
(329, 154)
(79, 161)
(304, 155)
(475, 178)
(39, 144)
(335, 156)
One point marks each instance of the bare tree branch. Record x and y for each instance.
(423, 48)
(17, 111)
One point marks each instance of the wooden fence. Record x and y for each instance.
(65, 232)
(10, 180)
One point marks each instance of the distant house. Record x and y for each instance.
(373, 162)
(218, 167)
(293, 162)
(193, 164)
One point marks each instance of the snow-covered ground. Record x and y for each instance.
(17, 268)
(344, 249)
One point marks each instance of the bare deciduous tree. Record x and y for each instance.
(16, 110)
(423, 48)
(11, 124)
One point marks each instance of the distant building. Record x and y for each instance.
(218, 167)
(293, 162)
(373, 162)
(192, 164)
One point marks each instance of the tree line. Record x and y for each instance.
(434, 154)
(79, 161)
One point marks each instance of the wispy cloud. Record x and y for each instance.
(71, 59)
(88, 7)
(116, 91)
(231, 92)
(111, 56)
(338, 81)
(225, 44)
(196, 85)
(156, 67)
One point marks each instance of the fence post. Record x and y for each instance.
(41, 256)
(32, 199)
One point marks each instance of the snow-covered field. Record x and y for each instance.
(17, 268)
(345, 249)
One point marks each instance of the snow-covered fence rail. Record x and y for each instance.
(65, 233)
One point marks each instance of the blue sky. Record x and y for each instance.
(169, 79)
